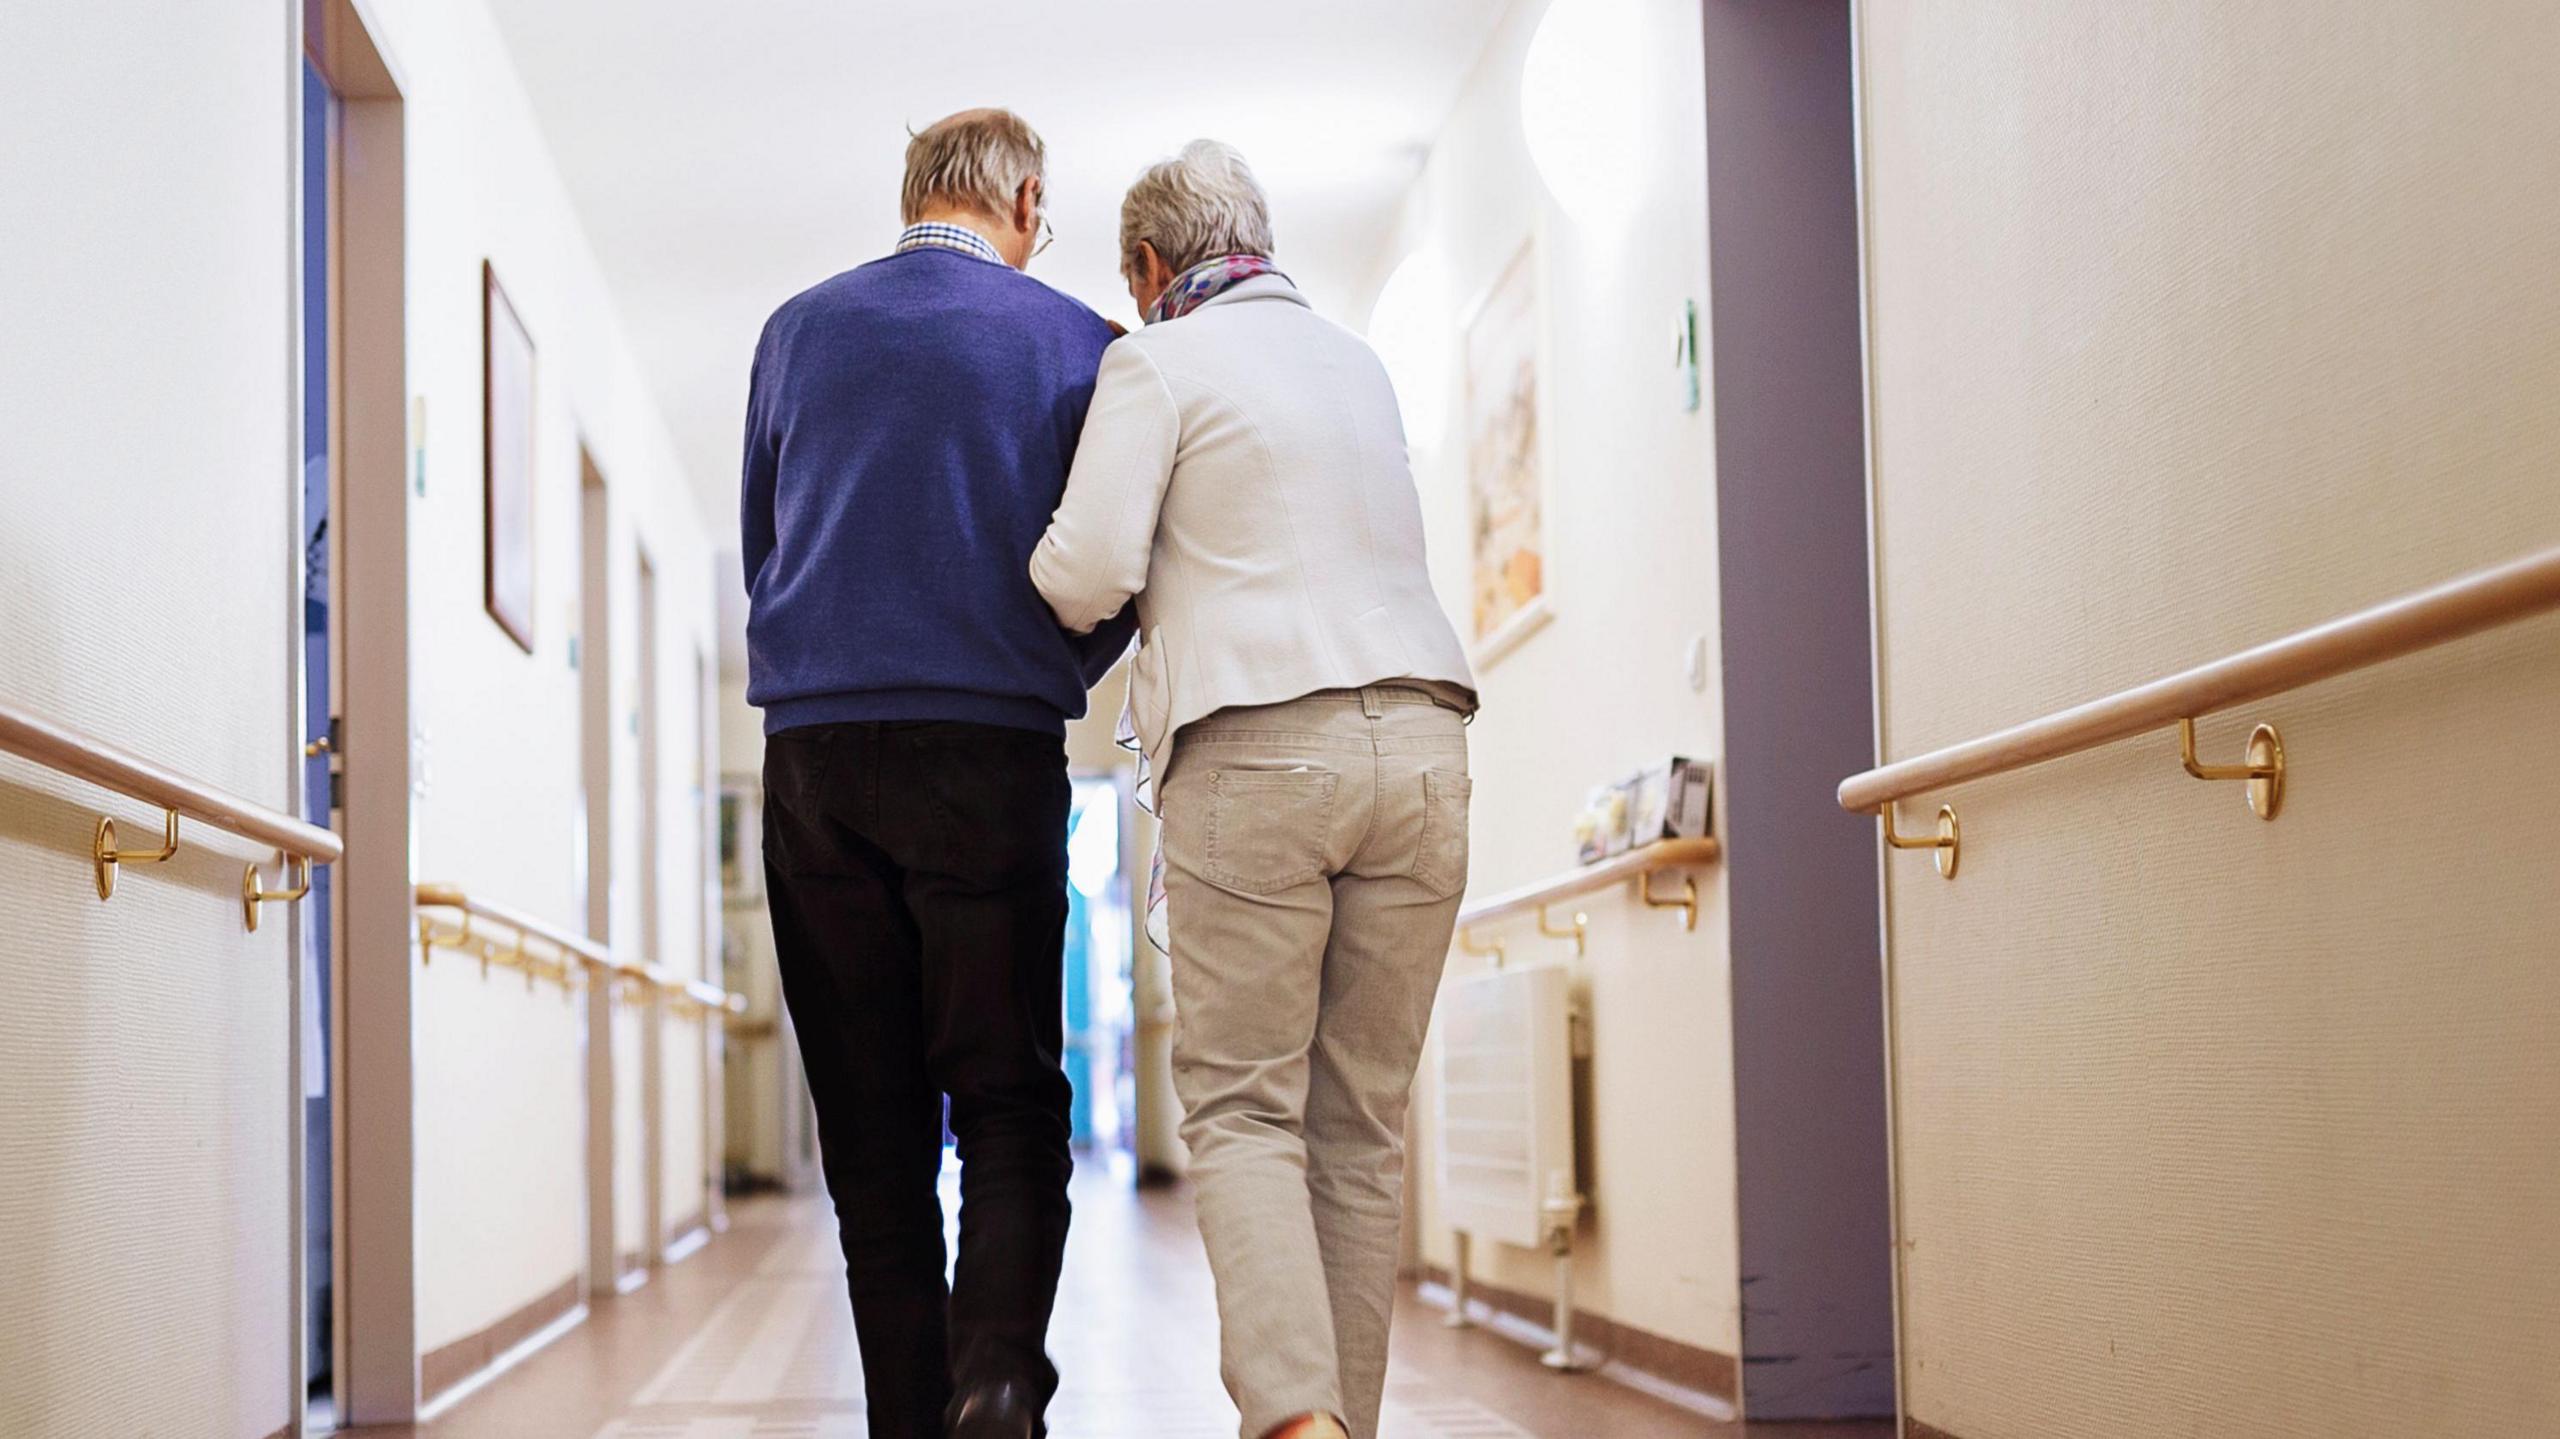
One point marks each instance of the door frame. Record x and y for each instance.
(1887, 981)
(712, 934)
(595, 760)
(372, 1113)
(649, 738)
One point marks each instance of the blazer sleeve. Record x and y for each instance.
(1093, 560)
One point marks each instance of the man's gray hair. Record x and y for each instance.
(1199, 205)
(975, 160)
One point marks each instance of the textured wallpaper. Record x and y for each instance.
(2190, 326)
(146, 597)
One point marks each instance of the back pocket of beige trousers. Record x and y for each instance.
(1441, 860)
(1267, 828)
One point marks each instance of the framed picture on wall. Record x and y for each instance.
(1507, 460)
(506, 412)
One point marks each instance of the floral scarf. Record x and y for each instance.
(1196, 286)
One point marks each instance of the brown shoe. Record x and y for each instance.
(1311, 1426)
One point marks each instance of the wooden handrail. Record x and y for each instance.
(713, 998)
(567, 941)
(572, 945)
(1591, 879)
(110, 767)
(2478, 601)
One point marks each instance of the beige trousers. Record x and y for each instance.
(1314, 855)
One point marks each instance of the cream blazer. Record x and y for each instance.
(1243, 477)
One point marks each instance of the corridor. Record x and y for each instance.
(1883, 672)
(751, 1339)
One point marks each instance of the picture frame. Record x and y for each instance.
(1508, 457)
(507, 461)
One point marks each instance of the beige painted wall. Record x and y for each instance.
(682, 1195)
(501, 1127)
(496, 730)
(630, 1178)
(1603, 688)
(148, 595)
(2192, 325)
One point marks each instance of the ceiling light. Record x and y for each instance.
(1584, 106)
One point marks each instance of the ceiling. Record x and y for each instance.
(724, 157)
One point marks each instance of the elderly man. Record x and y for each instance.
(909, 429)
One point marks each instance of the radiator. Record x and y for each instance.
(1506, 1104)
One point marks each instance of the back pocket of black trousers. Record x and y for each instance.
(1267, 828)
(997, 802)
(796, 838)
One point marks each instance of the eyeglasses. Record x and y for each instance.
(1048, 237)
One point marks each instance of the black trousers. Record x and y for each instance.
(918, 877)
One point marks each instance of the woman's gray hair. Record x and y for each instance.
(976, 160)
(1199, 205)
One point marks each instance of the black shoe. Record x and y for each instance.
(995, 1411)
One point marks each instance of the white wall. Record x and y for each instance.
(149, 594)
(1602, 689)
(2191, 326)
(499, 807)
(630, 1179)
(683, 1196)
(500, 1191)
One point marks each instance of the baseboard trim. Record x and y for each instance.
(453, 1365)
(1650, 1356)
(685, 1239)
(1914, 1429)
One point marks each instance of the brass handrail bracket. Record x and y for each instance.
(1578, 932)
(83, 757)
(1606, 876)
(1948, 842)
(1686, 902)
(543, 953)
(252, 894)
(106, 857)
(2264, 770)
(430, 938)
(1467, 941)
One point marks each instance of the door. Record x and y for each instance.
(653, 1116)
(317, 710)
(356, 1239)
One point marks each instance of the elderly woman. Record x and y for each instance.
(1302, 699)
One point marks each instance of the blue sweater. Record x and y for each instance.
(909, 428)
